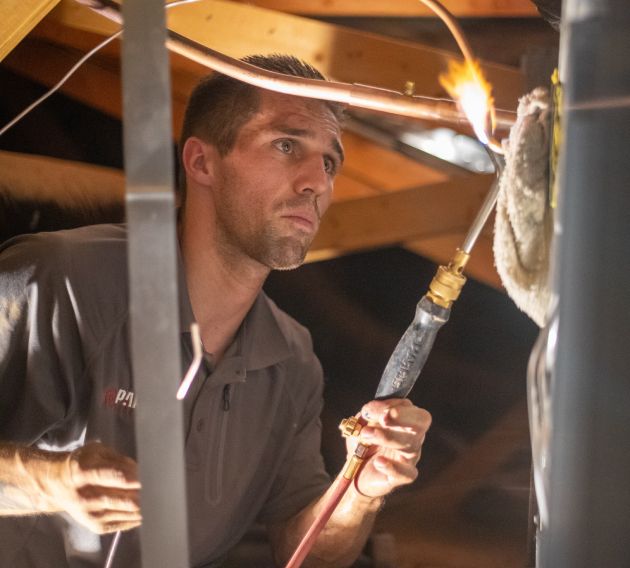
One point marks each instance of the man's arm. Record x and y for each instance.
(396, 432)
(95, 485)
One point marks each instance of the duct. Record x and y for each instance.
(152, 256)
(589, 497)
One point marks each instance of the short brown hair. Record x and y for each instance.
(220, 105)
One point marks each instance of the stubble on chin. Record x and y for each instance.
(286, 253)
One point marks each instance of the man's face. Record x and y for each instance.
(275, 184)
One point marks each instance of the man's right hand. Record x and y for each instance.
(96, 486)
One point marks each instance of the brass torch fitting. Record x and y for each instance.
(352, 427)
(352, 467)
(449, 280)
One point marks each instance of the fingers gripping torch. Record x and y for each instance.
(407, 359)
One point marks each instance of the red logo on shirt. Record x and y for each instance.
(119, 398)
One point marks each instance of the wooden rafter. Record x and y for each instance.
(18, 18)
(426, 212)
(394, 218)
(409, 8)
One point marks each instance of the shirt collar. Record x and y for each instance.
(186, 316)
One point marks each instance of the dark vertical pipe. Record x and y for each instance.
(153, 284)
(590, 449)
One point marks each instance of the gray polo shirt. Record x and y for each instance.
(252, 426)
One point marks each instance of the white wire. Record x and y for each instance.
(60, 83)
(73, 70)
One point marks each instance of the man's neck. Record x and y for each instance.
(222, 287)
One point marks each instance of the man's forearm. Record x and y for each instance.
(20, 492)
(342, 539)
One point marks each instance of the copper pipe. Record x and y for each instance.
(453, 26)
(354, 95)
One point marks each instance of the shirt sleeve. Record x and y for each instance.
(302, 477)
(41, 358)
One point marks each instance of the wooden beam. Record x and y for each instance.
(63, 182)
(389, 219)
(384, 169)
(400, 8)
(18, 18)
(340, 53)
(350, 224)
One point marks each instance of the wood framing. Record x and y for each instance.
(381, 197)
(397, 8)
(395, 218)
(18, 18)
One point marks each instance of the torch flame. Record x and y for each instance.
(466, 84)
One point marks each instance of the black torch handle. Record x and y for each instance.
(412, 351)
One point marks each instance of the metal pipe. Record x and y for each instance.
(354, 95)
(589, 496)
(486, 207)
(153, 306)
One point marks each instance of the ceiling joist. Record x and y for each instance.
(18, 18)
(399, 8)
(395, 218)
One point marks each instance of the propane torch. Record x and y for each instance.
(432, 312)
(408, 358)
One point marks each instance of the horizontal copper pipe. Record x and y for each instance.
(353, 95)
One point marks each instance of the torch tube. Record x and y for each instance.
(486, 207)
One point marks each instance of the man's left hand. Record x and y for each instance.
(396, 430)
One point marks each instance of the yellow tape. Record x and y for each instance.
(556, 138)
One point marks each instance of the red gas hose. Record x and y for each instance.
(349, 427)
(319, 523)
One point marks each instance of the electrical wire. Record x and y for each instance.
(67, 76)
(74, 69)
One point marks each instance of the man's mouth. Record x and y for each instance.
(307, 221)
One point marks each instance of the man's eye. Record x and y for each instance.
(285, 146)
(329, 166)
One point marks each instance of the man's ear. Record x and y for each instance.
(199, 160)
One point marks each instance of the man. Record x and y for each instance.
(257, 175)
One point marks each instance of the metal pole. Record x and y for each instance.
(589, 505)
(152, 252)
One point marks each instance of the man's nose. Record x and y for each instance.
(313, 177)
